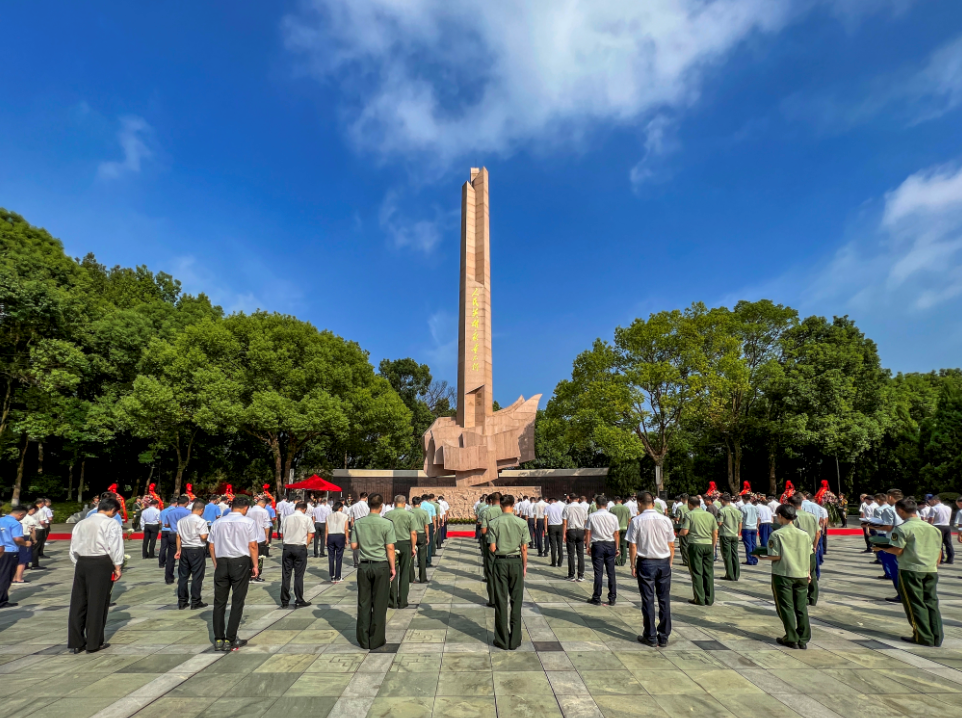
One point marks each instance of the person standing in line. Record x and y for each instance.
(958, 518)
(478, 505)
(44, 519)
(918, 547)
(97, 552)
(358, 511)
(445, 507)
(298, 534)
(701, 529)
(405, 548)
(167, 538)
(150, 525)
(175, 514)
(336, 537)
(11, 541)
(890, 519)
(942, 519)
(373, 538)
(438, 524)
(573, 519)
(678, 512)
(508, 543)
(421, 521)
(765, 518)
(192, 532)
(233, 540)
(262, 520)
(321, 511)
(283, 509)
(621, 512)
(807, 522)
(729, 534)
(540, 529)
(749, 531)
(632, 504)
(525, 511)
(790, 550)
(601, 534)
(25, 554)
(31, 529)
(866, 510)
(553, 517)
(212, 511)
(491, 514)
(651, 542)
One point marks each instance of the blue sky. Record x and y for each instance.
(306, 157)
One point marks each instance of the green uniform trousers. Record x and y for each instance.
(683, 547)
(402, 576)
(729, 552)
(813, 586)
(508, 594)
(373, 591)
(422, 560)
(623, 552)
(701, 557)
(921, 603)
(489, 573)
(791, 602)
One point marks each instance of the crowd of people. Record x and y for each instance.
(393, 543)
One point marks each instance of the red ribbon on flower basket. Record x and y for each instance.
(788, 493)
(819, 495)
(155, 496)
(123, 504)
(229, 492)
(712, 491)
(746, 489)
(189, 492)
(269, 496)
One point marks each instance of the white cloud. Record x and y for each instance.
(658, 142)
(252, 285)
(421, 234)
(442, 355)
(132, 137)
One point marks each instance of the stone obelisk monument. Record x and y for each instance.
(480, 441)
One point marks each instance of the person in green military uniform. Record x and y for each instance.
(729, 536)
(809, 524)
(918, 545)
(623, 514)
(680, 510)
(508, 538)
(490, 514)
(422, 520)
(789, 548)
(701, 531)
(405, 547)
(373, 538)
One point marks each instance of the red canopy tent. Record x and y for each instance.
(315, 483)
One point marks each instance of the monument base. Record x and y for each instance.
(462, 499)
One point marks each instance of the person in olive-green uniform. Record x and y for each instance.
(729, 536)
(679, 520)
(809, 524)
(405, 540)
(701, 531)
(918, 545)
(421, 519)
(789, 548)
(508, 538)
(489, 515)
(373, 536)
(623, 514)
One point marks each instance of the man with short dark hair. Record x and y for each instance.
(729, 534)
(789, 549)
(405, 547)
(553, 517)
(422, 521)
(807, 522)
(259, 514)
(574, 517)
(651, 542)
(621, 512)
(487, 516)
(234, 541)
(175, 514)
(150, 525)
(11, 539)
(191, 555)
(701, 529)
(508, 542)
(373, 539)
(601, 533)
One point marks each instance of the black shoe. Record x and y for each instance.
(237, 644)
(894, 599)
(803, 646)
(170, 583)
(182, 606)
(9, 604)
(285, 605)
(645, 642)
(102, 647)
(75, 651)
(663, 643)
(199, 605)
(489, 605)
(594, 601)
(608, 603)
(788, 644)
(220, 645)
(694, 602)
(908, 639)
(258, 580)
(881, 578)
(302, 604)
(355, 565)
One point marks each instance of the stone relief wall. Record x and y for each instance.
(462, 499)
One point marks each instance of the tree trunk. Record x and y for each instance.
(738, 463)
(15, 498)
(180, 473)
(40, 457)
(278, 463)
(660, 475)
(80, 489)
(70, 481)
(287, 471)
(772, 484)
(732, 486)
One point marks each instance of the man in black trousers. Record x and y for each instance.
(233, 543)
(191, 556)
(651, 551)
(298, 533)
(97, 551)
(11, 539)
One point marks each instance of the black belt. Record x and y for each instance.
(517, 555)
(612, 541)
(375, 562)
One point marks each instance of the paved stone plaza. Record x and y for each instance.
(576, 661)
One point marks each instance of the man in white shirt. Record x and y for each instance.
(320, 514)
(298, 533)
(601, 533)
(234, 541)
(773, 504)
(942, 519)
(150, 525)
(553, 516)
(445, 507)
(539, 529)
(765, 517)
(192, 556)
(651, 550)
(359, 511)
(574, 516)
(866, 510)
(262, 520)
(632, 505)
(660, 505)
(97, 552)
(45, 517)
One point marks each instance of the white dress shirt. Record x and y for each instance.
(576, 514)
(231, 535)
(98, 535)
(603, 525)
(359, 510)
(652, 533)
(773, 505)
(321, 512)
(150, 515)
(554, 513)
(941, 515)
(284, 508)
(539, 509)
(660, 505)
(632, 507)
(764, 513)
(260, 517)
(868, 509)
(524, 509)
(337, 523)
(30, 522)
(296, 528)
(193, 531)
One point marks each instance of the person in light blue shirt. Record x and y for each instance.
(749, 511)
(428, 508)
(174, 514)
(11, 538)
(212, 510)
(117, 517)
